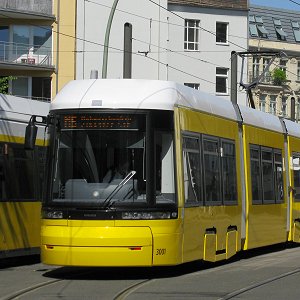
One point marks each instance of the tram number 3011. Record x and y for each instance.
(161, 251)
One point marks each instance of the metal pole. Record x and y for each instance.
(127, 60)
(293, 109)
(106, 41)
(233, 77)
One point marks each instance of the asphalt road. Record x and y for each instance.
(272, 273)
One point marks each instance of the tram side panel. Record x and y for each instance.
(209, 186)
(266, 221)
(294, 190)
(20, 192)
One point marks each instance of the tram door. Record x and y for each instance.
(192, 197)
(296, 197)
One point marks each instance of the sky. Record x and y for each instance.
(286, 4)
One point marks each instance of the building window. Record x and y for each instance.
(272, 108)
(267, 75)
(221, 33)
(262, 32)
(191, 35)
(31, 45)
(255, 68)
(4, 38)
(298, 70)
(252, 26)
(38, 88)
(282, 64)
(262, 102)
(256, 27)
(296, 30)
(284, 107)
(195, 86)
(281, 35)
(222, 80)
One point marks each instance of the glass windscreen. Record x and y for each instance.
(108, 168)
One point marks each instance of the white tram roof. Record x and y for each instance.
(21, 109)
(153, 94)
(292, 128)
(15, 112)
(138, 94)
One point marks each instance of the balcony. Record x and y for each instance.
(267, 79)
(30, 9)
(25, 57)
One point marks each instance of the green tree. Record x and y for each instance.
(4, 81)
(278, 76)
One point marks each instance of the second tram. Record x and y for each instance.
(21, 177)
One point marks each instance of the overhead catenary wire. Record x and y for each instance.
(120, 50)
(146, 18)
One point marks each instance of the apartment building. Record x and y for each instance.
(186, 41)
(37, 44)
(278, 30)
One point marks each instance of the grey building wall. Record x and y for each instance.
(32, 6)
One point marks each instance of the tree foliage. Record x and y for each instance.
(278, 76)
(4, 82)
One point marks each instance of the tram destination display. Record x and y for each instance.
(102, 121)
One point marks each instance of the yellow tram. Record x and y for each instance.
(21, 176)
(153, 173)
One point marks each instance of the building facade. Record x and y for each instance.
(189, 42)
(36, 50)
(278, 30)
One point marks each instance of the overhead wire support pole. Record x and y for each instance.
(106, 41)
(249, 86)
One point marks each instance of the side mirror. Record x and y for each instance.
(30, 136)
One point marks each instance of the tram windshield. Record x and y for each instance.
(106, 168)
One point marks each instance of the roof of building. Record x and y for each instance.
(274, 24)
(226, 4)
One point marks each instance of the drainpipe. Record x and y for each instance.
(57, 45)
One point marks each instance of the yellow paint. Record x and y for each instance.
(114, 243)
(64, 44)
(294, 147)
(198, 219)
(266, 224)
(19, 225)
(20, 140)
(231, 243)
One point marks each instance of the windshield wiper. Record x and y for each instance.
(107, 202)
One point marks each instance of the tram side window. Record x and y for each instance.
(209, 164)
(20, 173)
(255, 174)
(296, 173)
(211, 170)
(278, 177)
(266, 175)
(192, 174)
(228, 171)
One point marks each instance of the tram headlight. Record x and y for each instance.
(53, 214)
(142, 215)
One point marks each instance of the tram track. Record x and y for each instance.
(29, 289)
(131, 289)
(241, 291)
